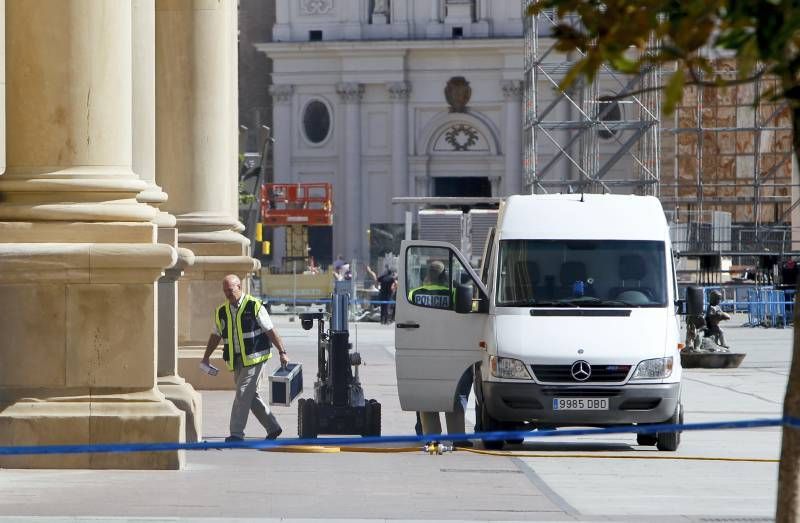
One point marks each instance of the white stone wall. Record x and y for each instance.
(381, 69)
(405, 19)
(388, 120)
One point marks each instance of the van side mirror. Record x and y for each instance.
(463, 299)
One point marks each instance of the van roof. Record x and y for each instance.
(598, 216)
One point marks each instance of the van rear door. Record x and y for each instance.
(434, 344)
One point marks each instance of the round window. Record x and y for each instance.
(609, 111)
(316, 121)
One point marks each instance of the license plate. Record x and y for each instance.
(580, 403)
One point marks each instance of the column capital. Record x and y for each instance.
(350, 92)
(512, 89)
(399, 90)
(281, 93)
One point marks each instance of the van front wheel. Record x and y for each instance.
(487, 424)
(669, 441)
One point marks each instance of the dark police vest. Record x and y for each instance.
(252, 340)
(432, 295)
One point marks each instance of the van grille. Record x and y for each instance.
(562, 373)
(580, 392)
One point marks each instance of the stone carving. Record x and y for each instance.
(512, 89)
(350, 92)
(381, 7)
(316, 7)
(461, 137)
(399, 90)
(281, 93)
(712, 339)
(457, 92)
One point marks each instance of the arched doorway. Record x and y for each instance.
(462, 157)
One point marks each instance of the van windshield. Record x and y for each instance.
(581, 273)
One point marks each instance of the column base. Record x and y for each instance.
(189, 369)
(83, 423)
(187, 400)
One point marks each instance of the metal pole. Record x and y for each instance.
(409, 225)
(294, 291)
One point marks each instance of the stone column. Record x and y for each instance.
(355, 15)
(281, 155)
(434, 28)
(78, 253)
(144, 106)
(2, 86)
(795, 214)
(174, 387)
(399, 93)
(512, 93)
(196, 158)
(351, 181)
(400, 22)
(282, 32)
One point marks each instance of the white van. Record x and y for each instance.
(571, 322)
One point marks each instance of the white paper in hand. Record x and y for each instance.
(209, 369)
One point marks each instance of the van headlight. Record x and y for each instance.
(653, 369)
(508, 368)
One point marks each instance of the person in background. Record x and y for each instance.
(387, 284)
(337, 264)
(370, 279)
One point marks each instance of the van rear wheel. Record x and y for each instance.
(669, 441)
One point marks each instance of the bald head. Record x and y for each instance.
(232, 287)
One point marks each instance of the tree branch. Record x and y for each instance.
(695, 81)
(727, 83)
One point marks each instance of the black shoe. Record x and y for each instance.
(274, 435)
(230, 439)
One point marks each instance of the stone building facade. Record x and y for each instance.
(359, 101)
(118, 219)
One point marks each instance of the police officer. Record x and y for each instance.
(245, 328)
(434, 291)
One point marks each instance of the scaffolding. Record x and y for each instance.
(584, 139)
(719, 162)
(726, 154)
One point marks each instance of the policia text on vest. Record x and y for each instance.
(246, 330)
(432, 295)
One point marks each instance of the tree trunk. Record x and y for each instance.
(788, 509)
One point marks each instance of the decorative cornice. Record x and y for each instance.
(350, 92)
(399, 90)
(512, 89)
(281, 93)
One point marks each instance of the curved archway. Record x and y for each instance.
(442, 122)
(462, 156)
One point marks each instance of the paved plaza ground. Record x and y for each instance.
(569, 479)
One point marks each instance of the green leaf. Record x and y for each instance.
(674, 91)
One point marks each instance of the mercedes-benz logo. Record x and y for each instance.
(581, 370)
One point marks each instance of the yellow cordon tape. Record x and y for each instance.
(320, 449)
